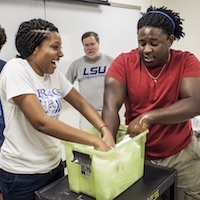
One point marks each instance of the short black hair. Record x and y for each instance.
(3, 37)
(90, 33)
(157, 20)
(31, 34)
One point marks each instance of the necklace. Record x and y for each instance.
(155, 78)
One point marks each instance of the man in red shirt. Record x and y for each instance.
(160, 88)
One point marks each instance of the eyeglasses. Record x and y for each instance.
(91, 44)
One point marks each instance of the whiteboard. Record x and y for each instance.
(116, 26)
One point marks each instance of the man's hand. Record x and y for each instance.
(137, 126)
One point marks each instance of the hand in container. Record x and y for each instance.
(137, 126)
(107, 137)
(101, 145)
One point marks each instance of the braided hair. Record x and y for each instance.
(163, 18)
(3, 37)
(31, 34)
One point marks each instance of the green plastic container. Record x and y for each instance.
(105, 175)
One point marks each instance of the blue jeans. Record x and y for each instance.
(2, 126)
(23, 186)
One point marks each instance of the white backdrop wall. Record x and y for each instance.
(189, 11)
(116, 27)
(13, 12)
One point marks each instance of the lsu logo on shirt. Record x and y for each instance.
(94, 72)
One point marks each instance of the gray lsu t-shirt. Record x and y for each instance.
(90, 76)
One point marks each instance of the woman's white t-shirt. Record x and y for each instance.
(26, 150)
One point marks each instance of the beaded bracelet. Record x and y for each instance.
(102, 127)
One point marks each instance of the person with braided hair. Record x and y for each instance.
(160, 88)
(32, 101)
(3, 39)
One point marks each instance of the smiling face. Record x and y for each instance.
(44, 58)
(153, 46)
(91, 48)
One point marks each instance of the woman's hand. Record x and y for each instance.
(137, 126)
(102, 146)
(107, 137)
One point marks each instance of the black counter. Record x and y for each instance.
(155, 182)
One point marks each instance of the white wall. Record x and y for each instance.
(72, 20)
(187, 10)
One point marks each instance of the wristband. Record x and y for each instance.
(102, 127)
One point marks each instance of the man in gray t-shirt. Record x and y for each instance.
(89, 71)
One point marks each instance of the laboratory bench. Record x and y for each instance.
(156, 181)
